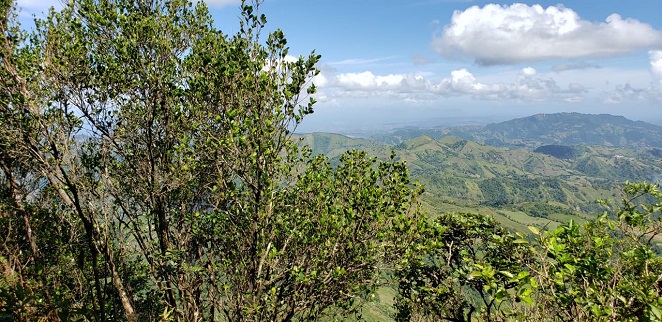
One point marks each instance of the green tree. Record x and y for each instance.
(149, 172)
(608, 269)
(466, 266)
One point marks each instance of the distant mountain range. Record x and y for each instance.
(547, 129)
(540, 170)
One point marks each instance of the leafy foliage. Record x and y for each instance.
(605, 269)
(467, 266)
(149, 173)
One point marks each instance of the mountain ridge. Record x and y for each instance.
(547, 129)
(518, 186)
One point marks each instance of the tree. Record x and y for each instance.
(465, 267)
(156, 154)
(608, 269)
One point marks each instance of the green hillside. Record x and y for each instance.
(517, 186)
(547, 129)
(334, 145)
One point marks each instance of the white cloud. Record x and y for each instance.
(528, 71)
(655, 89)
(320, 80)
(651, 93)
(656, 63)
(463, 82)
(360, 61)
(528, 86)
(369, 80)
(640, 92)
(496, 34)
(626, 92)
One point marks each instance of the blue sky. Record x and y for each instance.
(395, 63)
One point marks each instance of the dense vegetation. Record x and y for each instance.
(603, 270)
(148, 172)
(558, 151)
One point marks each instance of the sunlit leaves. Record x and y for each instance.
(465, 266)
(607, 268)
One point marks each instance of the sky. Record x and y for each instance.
(389, 64)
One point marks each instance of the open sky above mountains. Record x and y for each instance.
(391, 63)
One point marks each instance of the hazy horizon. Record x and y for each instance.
(426, 63)
(356, 127)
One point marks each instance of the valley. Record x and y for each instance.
(517, 172)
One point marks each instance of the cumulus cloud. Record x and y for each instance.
(369, 80)
(528, 86)
(366, 83)
(361, 61)
(652, 93)
(656, 63)
(655, 89)
(496, 34)
(626, 93)
(528, 71)
(462, 82)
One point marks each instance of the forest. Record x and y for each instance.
(150, 171)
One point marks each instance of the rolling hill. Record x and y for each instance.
(548, 129)
(516, 185)
(529, 177)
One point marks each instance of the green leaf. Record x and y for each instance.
(476, 274)
(522, 275)
(507, 274)
(534, 230)
(656, 312)
(527, 299)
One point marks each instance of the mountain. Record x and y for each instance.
(549, 129)
(533, 178)
(519, 187)
(333, 145)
